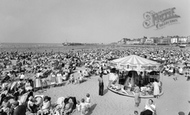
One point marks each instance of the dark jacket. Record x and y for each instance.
(20, 110)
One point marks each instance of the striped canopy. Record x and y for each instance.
(134, 62)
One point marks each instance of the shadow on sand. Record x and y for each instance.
(105, 91)
(84, 80)
(92, 109)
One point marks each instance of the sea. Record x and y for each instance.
(58, 47)
(13, 45)
(41, 47)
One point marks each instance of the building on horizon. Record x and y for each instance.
(167, 40)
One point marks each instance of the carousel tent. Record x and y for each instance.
(134, 62)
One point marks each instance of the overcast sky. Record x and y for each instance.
(97, 21)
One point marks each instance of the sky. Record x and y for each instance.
(86, 21)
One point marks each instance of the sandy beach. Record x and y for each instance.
(175, 98)
(176, 95)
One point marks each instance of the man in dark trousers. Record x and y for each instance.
(140, 79)
(18, 109)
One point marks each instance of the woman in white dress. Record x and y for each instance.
(64, 76)
(156, 86)
(38, 81)
(53, 79)
(83, 106)
(59, 78)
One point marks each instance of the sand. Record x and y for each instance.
(175, 98)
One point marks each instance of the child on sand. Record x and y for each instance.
(136, 113)
(84, 109)
(137, 97)
(88, 101)
(78, 106)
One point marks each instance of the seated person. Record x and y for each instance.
(65, 75)
(32, 107)
(68, 107)
(38, 100)
(71, 79)
(5, 105)
(147, 89)
(85, 73)
(60, 104)
(180, 69)
(128, 86)
(88, 101)
(150, 108)
(28, 86)
(116, 86)
(45, 108)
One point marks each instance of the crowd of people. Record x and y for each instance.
(24, 72)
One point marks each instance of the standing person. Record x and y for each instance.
(156, 86)
(83, 109)
(140, 79)
(38, 81)
(59, 78)
(28, 86)
(174, 73)
(180, 69)
(53, 79)
(78, 106)
(101, 84)
(188, 74)
(88, 101)
(111, 76)
(137, 97)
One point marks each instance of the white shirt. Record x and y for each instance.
(180, 70)
(83, 106)
(22, 76)
(148, 108)
(59, 75)
(112, 76)
(87, 100)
